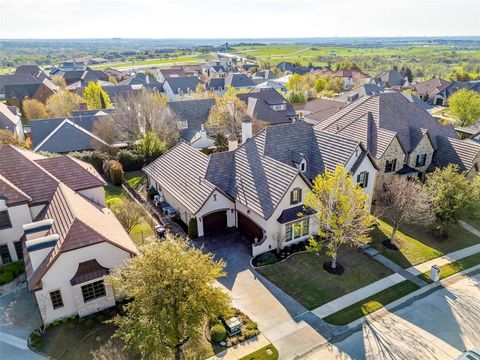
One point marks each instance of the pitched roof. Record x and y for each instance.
(194, 111)
(428, 86)
(33, 70)
(69, 172)
(389, 78)
(237, 80)
(12, 194)
(259, 110)
(88, 270)
(472, 130)
(8, 120)
(17, 79)
(184, 83)
(79, 223)
(360, 91)
(320, 109)
(216, 83)
(259, 103)
(463, 153)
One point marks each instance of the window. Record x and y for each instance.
(421, 160)
(296, 229)
(182, 124)
(5, 254)
(295, 196)
(390, 165)
(5, 220)
(362, 179)
(56, 298)
(18, 249)
(93, 290)
(303, 166)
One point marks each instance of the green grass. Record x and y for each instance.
(262, 354)
(153, 62)
(417, 244)
(135, 179)
(371, 304)
(302, 276)
(454, 267)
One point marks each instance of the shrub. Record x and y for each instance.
(113, 171)
(95, 158)
(10, 271)
(6, 277)
(55, 322)
(192, 228)
(214, 320)
(100, 317)
(251, 326)
(267, 258)
(218, 333)
(130, 161)
(89, 324)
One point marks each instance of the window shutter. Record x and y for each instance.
(366, 180)
(358, 179)
(291, 197)
(299, 195)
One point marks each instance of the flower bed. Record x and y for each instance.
(217, 332)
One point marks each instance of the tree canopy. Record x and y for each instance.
(465, 105)
(226, 114)
(63, 103)
(96, 97)
(34, 109)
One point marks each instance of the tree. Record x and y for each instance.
(105, 130)
(63, 103)
(96, 97)
(342, 213)
(320, 85)
(453, 195)
(334, 83)
(7, 137)
(406, 72)
(150, 146)
(297, 83)
(347, 65)
(279, 240)
(59, 81)
(145, 111)
(34, 109)
(221, 142)
(129, 213)
(465, 105)
(405, 201)
(226, 114)
(297, 97)
(172, 292)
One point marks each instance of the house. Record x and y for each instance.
(295, 69)
(217, 85)
(141, 80)
(239, 81)
(66, 134)
(216, 71)
(115, 73)
(15, 88)
(10, 120)
(470, 132)
(178, 88)
(429, 88)
(192, 116)
(315, 111)
(33, 70)
(389, 79)
(403, 138)
(268, 105)
(359, 92)
(264, 74)
(164, 74)
(441, 95)
(53, 216)
(415, 99)
(259, 187)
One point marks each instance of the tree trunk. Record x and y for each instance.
(394, 231)
(334, 262)
(178, 353)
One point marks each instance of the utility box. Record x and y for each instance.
(435, 273)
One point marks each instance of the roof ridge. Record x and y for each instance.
(15, 187)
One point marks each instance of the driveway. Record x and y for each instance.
(19, 316)
(439, 326)
(284, 322)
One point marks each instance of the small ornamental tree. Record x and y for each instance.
(221, 142)
(342, 214)
(150, 147)
(129, 213)
(96, 97)
(172, 290)
(113, 171)
(63, 103)
(34, 109)
(226, 114)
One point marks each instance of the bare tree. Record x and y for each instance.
(105, 130)
(405, 201)
(279, 240)
(143, 111)
(129, 213)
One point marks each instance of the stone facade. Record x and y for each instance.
(394, 151)
(93, 306)
(475, 170)
(423, 147)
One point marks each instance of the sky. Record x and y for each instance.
(236, 19)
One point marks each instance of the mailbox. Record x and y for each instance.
(435, 273)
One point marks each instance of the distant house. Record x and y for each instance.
(140, 80)
(266, 104)
(315, 111)
(76, 79)
(217, 85)
(33, 70)
(389, 79)
(359, 92)
(428, 89)
(239, 81)
(216, 70)
(351, 77)
(178, 88)
(192, 116)
(294, 69)
(441, 95)
(117, 74)
(10, 120)
(164, 74)
(470, 132)
(264, 74)
(15, 88)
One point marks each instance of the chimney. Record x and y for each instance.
(83, 106)
(147, 79)
(39, 248)
(37, 229)
(232, 142)
(247, 128)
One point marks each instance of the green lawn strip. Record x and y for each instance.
(135, 179)
(302, 276)
(371, 304)
(263, 354)
(454, 267)
(417, 243)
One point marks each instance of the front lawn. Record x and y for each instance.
(302, 276)
(135, 179)
(371, 304)
(417, 243)
(454, 267)
(268, 352)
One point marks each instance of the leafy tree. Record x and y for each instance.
(34, 109)
(453, 195)
(150, 146)
(59, 81)
(221, 142)
(406, 72)
(96, 97)
(63, 103)
(296, 83)
(347, 65)
(342, 213)
(465, 104)
(7, 137)
(297, 97)
(129, 213)
(335, 84)
(405, 201)
(226, 114)
(172, 292)
(320, 85)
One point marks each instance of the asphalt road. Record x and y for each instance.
(439, 326)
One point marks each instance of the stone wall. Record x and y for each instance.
(423, 147)
(394, 151)
(95, 305)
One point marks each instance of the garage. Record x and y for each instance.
(248, 228)
(213, 222)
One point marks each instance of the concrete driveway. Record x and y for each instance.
(284, 322)
(19, 316)
(439, 326)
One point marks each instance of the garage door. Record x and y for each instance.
(248, 228)
(214, 222)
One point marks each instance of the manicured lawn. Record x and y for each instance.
(302, 276)
(371, 304)
(135, 179)
(269, 352)
(454, 267)
(417, 244)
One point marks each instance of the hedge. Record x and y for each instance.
(130, 160)
(113, 171)
(192, 228)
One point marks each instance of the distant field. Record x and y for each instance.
(153, 62)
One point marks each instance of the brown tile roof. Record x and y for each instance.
(11, 194)
(79, 223)
(88, 270)
(460, 152)
(69, 172)
(26, 175)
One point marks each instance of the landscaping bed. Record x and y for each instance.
(371, 304)
(273, 256)
(10, 271)
(417, 244)
(302, 276)
(453, 267)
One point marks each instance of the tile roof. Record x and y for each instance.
(17, 79)
(216, 84)
(184, 83)
(8, 120)
(69, 172)
(237, 80)
(360, 91)
(88, 270)
(428, 86)
(12, 194)
(389, 78)
(194, 111)
(463, 153)
(293, 213)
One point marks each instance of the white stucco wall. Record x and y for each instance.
(202, 141)
(62, 271)
(19, 215)
(35, 210)
(367, 166)
(212, 205)
(97, 195)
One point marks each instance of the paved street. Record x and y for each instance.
(438, 326)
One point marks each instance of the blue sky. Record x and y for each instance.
(236, 19)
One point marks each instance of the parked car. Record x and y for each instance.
(473, 354)
(170, 212)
